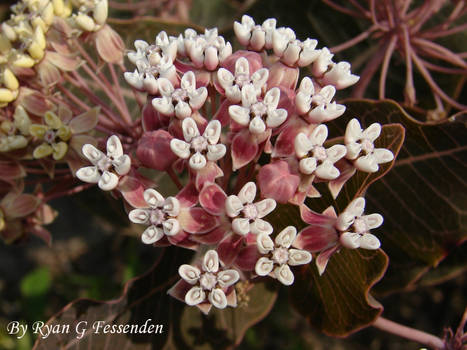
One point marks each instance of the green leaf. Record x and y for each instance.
(145, 299)
(36, 283)
(338, 302)
(423, 198)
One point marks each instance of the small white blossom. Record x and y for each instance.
(256, 37)
(162, 46)
(322, 63)
(340, 76)
(182, 101)
(294, 52)
(278, 257)
(233, 84)
(360, 147)
(258, 115)
(359, 237)
(161, 216)
(318, 106)
(210, 280)
(314, 158)
(208, 49)
(199, 148)
(247, 216)
(106, 169)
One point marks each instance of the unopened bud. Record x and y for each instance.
(9, 80)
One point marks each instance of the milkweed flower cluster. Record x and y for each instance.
(237, 133)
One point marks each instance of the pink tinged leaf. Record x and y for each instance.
(247, 258)
(63, 62)
(347, 170)
(244, 149)
(132, 190)
(109, 45)
(276, 181)
(212, 199)
(197, 220)
(323, 258)
(84, 122)
(208, 174)
(21, 206)
(10, 170)
(210, 238)
(188, 196)
(154, 150)
(229, 248)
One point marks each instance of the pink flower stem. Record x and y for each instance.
(174, 178)
(359, 38)
(409, 333)
(119, 94)
(69, 192)
(374, 17)
(440, 52)
(433, 34)
(446, 70)
(343, 9)
(427, 76)
(385, 66)
(409, 89)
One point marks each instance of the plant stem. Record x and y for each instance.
(409, 333)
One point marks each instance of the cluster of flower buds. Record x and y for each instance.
(238, 133)
(23, 38)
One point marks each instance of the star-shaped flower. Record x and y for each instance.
(256, 37)
(359, 236)
(247, 216)
(161, 216)
(181, 101)
(360, 141)
(199, 148)
(102, 170)
(210, 280)
(256, 114)
(314, 158)
(278, 257)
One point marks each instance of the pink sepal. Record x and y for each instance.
(284, 145)
(212, 198)
(132, 187)
(11, 170)
(188, 195)
(222, 113)
(323, 258)
(19, 206)
(182, 239)
(208, 174)
(151, 118)
(282, 76)
(254, 60)
(229, 248)
(244, 149)
(197, 220)
(276, 181)
(210, 238)
(347, 170)
(247, 258)
(179, 290)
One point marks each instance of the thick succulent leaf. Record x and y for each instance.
(145, 298)
(338, 302)
(423, 198)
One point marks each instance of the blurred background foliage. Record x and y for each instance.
(95, 251)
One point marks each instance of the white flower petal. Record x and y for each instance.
(286, 237)
(260, 226)
(211, 261)
(108, 181)
(197, 161)
(367, 164)
(217, 298)
(180, 148)
(284, 275)
(242, 67)
(265, 207)
(350, 240)
(92, 153)
(257, 125)
(164, 105)
(382, 155)
(369, 241)
(195, 296)
(356, 207)
(172, 206)
(308, 165)
(276, 118)
(227, 278)
(198, 98)
(271, 99)
(353, 150)
(299, 257)
(264, 243)
(372, 132)
(153, 198)
(240, 114)
(122, 164)
(336, 152)
(302, 145)
(233, 206)
(260, 77)
(114, 147)
(319, 135)
(190, 129)
(248, 193)
(327, 171)
(139, 216)
(344, 220)
(213, 131)
(226, 79)
(241, 226)
(189, 273)
(89, 174)
(248, 95)
(171, 227)
(373, 220)
(182, 110)
(151, 235)
(188, 82)
(353, 131)
(264, 266)
(165, 87)
(216, 152)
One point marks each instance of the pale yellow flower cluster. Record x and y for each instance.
(23, 36)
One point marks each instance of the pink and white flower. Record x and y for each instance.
(278, 256)
(210, 283)
(161, 216)
(359, 236)
(361, 148)
(314, 158)
(106, 169)
(199, 148)
(247, 216)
